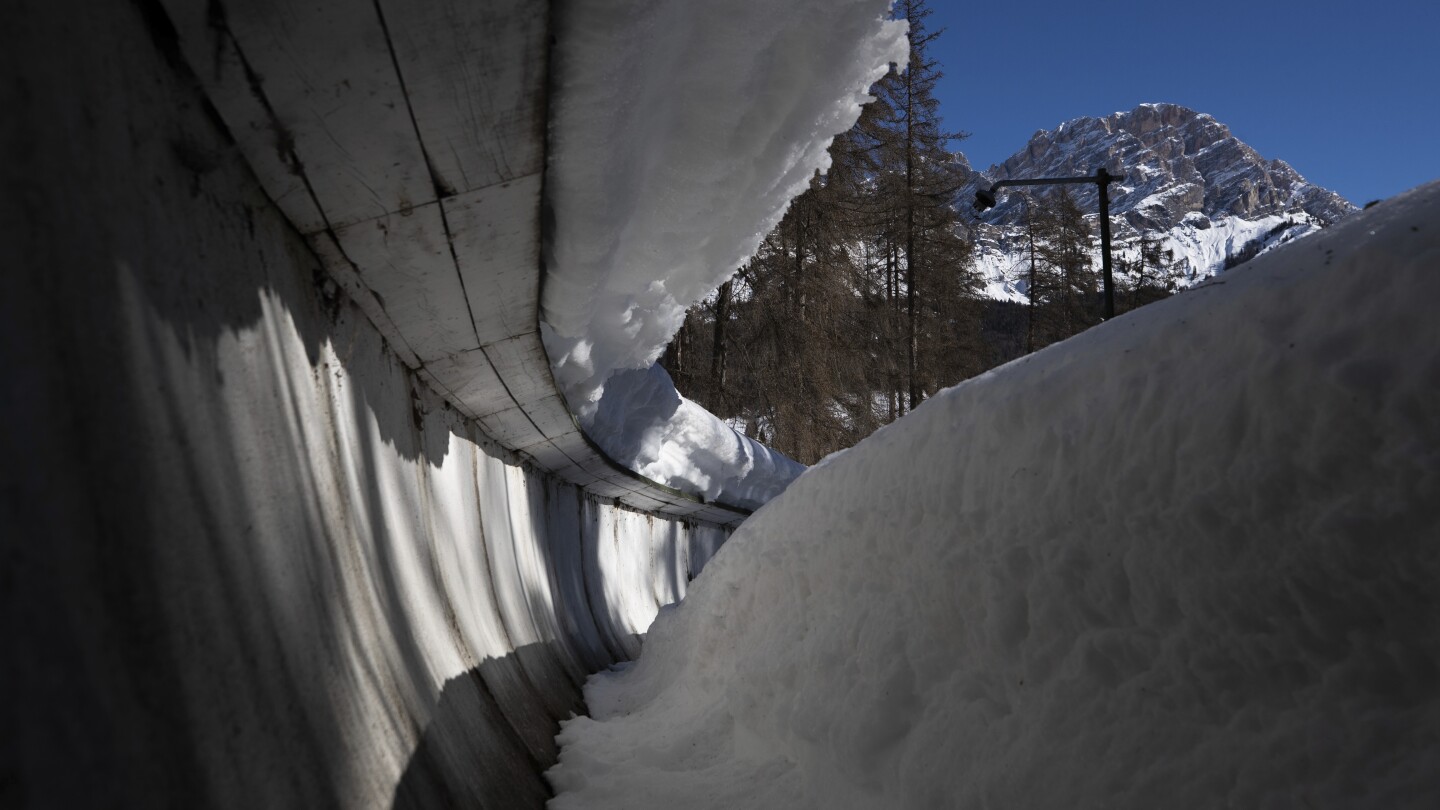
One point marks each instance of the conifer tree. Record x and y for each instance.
(1151, 275)
(919, 180)
(862, 295)
(1069, 301)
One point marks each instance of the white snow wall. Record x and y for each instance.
(246, 560)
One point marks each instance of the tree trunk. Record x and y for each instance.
(912, 337)
(1030, 290)
(719, 351)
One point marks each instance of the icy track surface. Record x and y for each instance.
(679, 133)
(1187, 559)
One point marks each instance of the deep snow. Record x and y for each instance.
(673, 440)
(1186, 559)
(679, 133)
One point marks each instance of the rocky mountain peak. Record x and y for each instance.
(1177, 164)
(1207, 199)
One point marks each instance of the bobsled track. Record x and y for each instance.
(294, 515)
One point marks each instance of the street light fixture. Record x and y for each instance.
(985, 198)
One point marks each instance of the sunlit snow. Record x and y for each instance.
(679, 133)
(1198, 248)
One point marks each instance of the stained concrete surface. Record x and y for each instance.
(247, 558)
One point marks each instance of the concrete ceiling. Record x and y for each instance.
(406, 140)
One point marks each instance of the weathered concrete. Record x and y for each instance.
(249, 558)
(405, 140)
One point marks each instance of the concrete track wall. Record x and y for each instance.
(248, 559)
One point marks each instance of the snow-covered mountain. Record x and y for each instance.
(1204, 194)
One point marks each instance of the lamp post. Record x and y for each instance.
(985, 198)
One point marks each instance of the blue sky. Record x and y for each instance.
(1347, 93)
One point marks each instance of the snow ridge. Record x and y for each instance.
(679, 133)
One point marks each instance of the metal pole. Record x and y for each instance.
(1103, 179)
(985, 198)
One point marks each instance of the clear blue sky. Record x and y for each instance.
(1348, 93)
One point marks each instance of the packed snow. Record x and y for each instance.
(673, 440)
(1185, 559)
(679, 133)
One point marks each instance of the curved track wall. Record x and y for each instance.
(250, 559)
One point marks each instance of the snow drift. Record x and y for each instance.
(1186, 559)
(679, 133)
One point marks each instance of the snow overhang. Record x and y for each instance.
(679, 134)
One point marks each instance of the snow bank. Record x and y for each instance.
(671, 439)
(679, 133)
(1186, 559)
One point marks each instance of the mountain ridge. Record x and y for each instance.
(1187, 181)
(1161, 148)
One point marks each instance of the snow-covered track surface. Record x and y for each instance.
(406, 142)
(1187, 559)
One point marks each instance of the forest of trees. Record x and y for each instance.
(863, 301)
